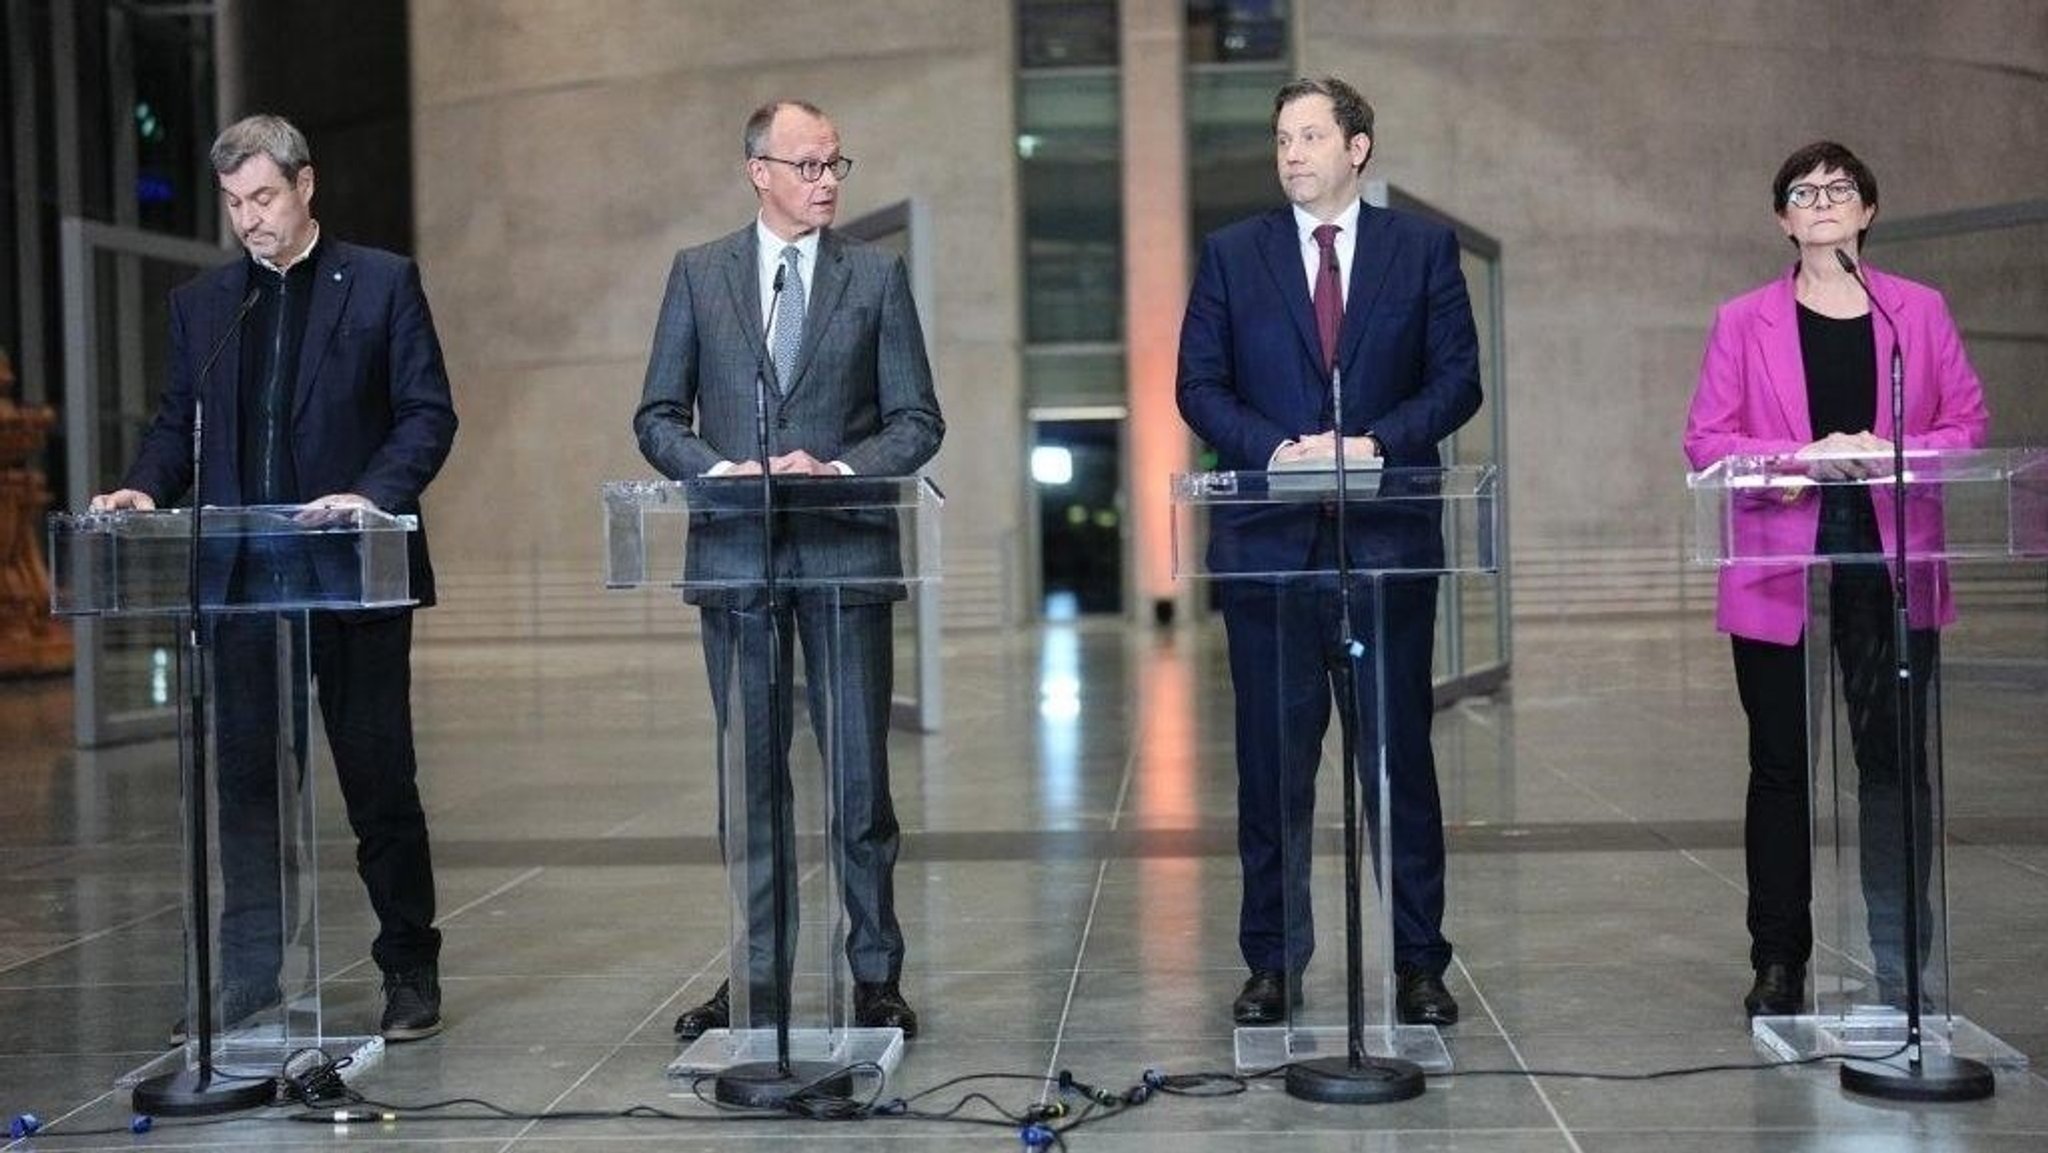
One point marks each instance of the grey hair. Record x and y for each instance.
(755, 137)
(266, 135)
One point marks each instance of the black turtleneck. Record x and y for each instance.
(271, 337)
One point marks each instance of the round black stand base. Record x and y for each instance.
(183, 1094)
(1336, 1081)
(1938, 1077)
(765, 1085)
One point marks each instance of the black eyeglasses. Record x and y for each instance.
(1808, 195)
(811, 171)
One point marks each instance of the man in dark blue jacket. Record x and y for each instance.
(1278, 300)
(329, 391)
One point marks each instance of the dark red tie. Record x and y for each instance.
(1329, 299)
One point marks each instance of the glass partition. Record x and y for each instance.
(117, 284)
(1474, 650)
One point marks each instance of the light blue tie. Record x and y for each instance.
(789, 320)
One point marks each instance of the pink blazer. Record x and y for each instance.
(1751, 399)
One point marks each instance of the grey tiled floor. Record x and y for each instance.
(1068, 890)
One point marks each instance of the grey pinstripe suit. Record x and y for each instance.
(861, 394)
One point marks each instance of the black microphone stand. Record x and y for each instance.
(770, 1084)
(196, 1091)
(1356, 1078)
(1912, 1075)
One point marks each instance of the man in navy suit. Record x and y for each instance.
(1278, 300)
(329, 392)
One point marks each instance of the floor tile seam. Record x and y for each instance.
(50, 1128)
(449, 917)
(1515, 1055)
(87, 938)
(649, 1018)
(1075, 970)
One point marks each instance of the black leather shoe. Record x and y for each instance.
(1265, 999)
(1421, 999)
(880, 1005)
(715, 1013)
(412, 1004)
(1779, 989)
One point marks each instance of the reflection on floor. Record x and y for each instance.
(1068, 889)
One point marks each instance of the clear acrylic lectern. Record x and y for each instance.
(840, 543)
(1968, 512)
(260, 570)
(1255, 534)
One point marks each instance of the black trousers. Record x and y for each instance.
(362, 672)
(848, 659)
(1771, 680)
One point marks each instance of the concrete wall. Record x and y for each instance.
(1622, 151)
(564, 151)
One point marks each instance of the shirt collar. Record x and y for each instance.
(1305, 222)
(772, 245)
(301, 255)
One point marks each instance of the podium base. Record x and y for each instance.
(1373, 1081)
(1937, 1077)
(721, 1049)
(1261, 1047)
(184, 1094)
(768, 1085)
(1871, 1032)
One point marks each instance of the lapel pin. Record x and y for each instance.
(337, 276)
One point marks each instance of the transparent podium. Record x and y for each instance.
(1266, 540)
(845, 550)
(252, 925)
(1969, 513)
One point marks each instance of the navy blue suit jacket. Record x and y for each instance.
(370, 412)
(1250, 376)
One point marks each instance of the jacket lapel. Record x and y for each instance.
(831, 276)
(332, 280)
(1280, 248)
(1778, 340)
(223, 389)
(1372, 257)
(743, 281)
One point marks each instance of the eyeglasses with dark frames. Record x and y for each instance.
(1808, 195)
(812, 171)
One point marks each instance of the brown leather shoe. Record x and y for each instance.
(880, 1005)
(715, 1013)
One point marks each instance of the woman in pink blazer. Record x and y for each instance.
(1800, 366)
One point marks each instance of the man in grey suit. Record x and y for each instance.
(848, 392)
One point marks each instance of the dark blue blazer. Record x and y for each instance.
(1250, 376)
(371, 412)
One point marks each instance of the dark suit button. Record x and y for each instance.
(782, 422)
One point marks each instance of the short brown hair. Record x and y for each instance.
(1354, 115)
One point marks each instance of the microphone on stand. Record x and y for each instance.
(196, 1091)
(1915, 1075)
(761, 370)
(199, 449)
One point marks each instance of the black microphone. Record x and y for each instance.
(205, 373)
(199, 455)
(1898, 365)
(763, 367)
